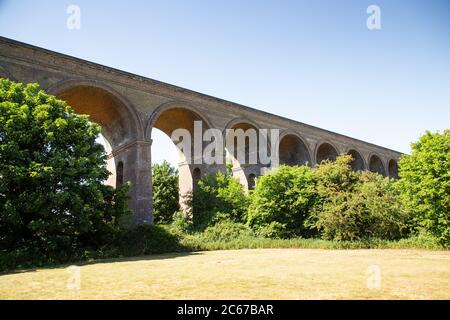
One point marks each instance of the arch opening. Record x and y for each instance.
(196, 176)
(393, 169)
(293, 151)
(189, 172)
(251, 181)
(242, 150)
(326, 152)
(376, 165)
(104, 108)
(357, 162)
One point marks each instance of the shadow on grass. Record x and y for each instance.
(158, 256)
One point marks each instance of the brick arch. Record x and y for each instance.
(153, 117)
(169, 117)
(357, 163)
(325, 150)
(243, 169)
(393, 168)
(376, 164)
(293, 150)
(122, 128)
(118, 118)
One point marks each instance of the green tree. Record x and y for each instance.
(53, 201)
(356, 205)
(425, 183)
(218, 197)
(165, 192)
(281, 201)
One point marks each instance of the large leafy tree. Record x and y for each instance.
(425, 183)
(53, 201)
(165, 192)
(356, 205)
(281, 201)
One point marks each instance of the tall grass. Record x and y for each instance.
(197, 243)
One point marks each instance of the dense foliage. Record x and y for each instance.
(356, 205)
(165, 192)
(54, 206)
(218, 197)
(281, 201)
(425, 183)
(53, 203)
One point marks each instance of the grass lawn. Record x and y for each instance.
(246, 274)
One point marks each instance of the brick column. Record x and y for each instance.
(136, 157)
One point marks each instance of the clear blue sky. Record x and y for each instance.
(312, 61)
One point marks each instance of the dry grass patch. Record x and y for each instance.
(246, 274)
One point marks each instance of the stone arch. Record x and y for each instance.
(326, 151)
(243, 168)
(119, 120)
(357, 162)
(122, 129)
(178, 115)
(393, 169)
(292, 150)
(376, 165)
(154, 116)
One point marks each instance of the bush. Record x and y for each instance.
(425, 183)
(218, 197)
(165, 192)
(53, 203)
(145, 239)
(281, 201)
(273, 230)
(226, 231)
(356, 205)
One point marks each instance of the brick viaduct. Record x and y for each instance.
(128, 106)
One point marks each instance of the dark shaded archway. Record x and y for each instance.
(196, 176)
(357, 162)
(393, 169)
(293, 151)
(376, 165)
(326, 152)
(251, 181)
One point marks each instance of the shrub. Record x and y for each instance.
(281, 201)
(53, 203)
(145, 239)
(356, 205)
(218, 197)
(335, 176)
(273, 230)
(425, 183)
(165, 192)
(226, 231)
